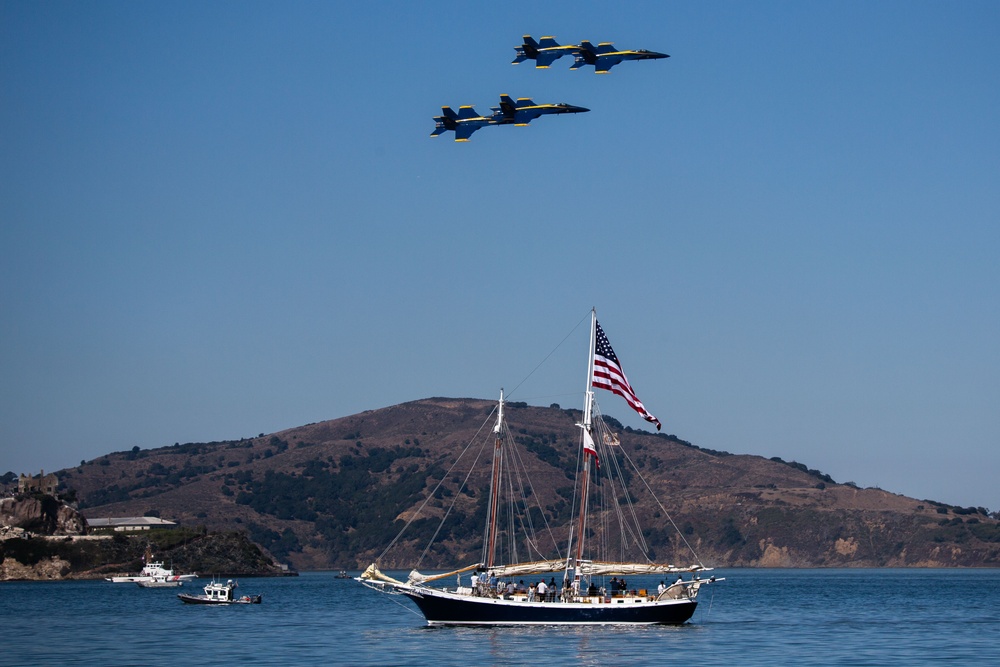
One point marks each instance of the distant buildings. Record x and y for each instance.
(43, 483)
(129, 523)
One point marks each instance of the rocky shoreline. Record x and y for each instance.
(42, 539)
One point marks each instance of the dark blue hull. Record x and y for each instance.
(461, 610)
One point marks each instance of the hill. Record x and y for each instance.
(333, 494)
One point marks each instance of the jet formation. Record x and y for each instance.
(518, 112)
(602, 57)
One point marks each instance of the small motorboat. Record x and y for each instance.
(219, 593)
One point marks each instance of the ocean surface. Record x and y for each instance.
(755, 617)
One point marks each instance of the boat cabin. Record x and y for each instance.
(220, 592)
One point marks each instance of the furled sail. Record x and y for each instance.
(417, 578)
(598, 568)
(374, 574)
(537, 567)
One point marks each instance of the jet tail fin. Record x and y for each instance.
(444, 122)
(527, 51)
(586, 54)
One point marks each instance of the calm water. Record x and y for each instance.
(755, 617)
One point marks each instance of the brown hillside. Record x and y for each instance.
(326, 495)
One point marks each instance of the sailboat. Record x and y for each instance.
(583, 595)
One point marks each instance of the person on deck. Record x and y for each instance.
(541, 590)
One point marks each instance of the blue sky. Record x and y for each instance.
(225, 218)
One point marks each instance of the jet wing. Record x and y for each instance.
(549, 51)
(605, 63)
(546, 58)
(525, 116)
(464, 131)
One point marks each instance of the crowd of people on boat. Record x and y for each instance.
(489, 585)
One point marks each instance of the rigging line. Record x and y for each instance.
(628, 534)
(521, 467)
(511, 523)
(626, 537)
(665, 512)
(577, 496)
(404, 606)
(482, 447)
(431, 495)
(518, 503)
(540, 363)
(524, 517)
(632, 529)
(613, 475)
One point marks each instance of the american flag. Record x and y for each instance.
(608, 374)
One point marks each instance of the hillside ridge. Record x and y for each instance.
(332, 494)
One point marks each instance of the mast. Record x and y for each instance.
(491, 526)
(587, 421)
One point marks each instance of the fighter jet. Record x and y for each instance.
(544, 53)
(464, 123)
(604, 56)
(523, 111)
(510, 112)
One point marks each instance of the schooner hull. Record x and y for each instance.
(444, 609)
